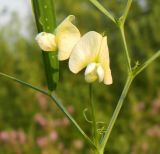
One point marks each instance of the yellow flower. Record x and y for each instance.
(91, 51)
(64, 39)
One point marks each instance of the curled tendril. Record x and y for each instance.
(101, 128)
(85, 116)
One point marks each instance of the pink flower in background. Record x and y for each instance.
(4, 136)
(42, 141)
(53, 136)
(156, 106)
(40, 120)
(65, 122)
(21, 137)
(70, 109)
(141, 106)
(154, 131)
(78, 144)
(13, 135)
(42, 100)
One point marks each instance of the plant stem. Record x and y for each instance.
(148, 62)
(58, 103)
(104, 139)
(63, 109)
(45, 17)
(120, 24)
(25, 84)
(124, 16)
(94, 125)
(126, 48)
(103, 10)
(130, 78)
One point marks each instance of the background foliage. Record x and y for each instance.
(31, 124)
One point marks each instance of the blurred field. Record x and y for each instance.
(32, 124)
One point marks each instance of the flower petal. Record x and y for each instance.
(67, 36)
(100, 73)
(103, 59)
(46, 41)
(85, 51)
(90, 73)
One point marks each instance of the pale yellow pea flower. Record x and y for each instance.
(91, 51)
(64, 38)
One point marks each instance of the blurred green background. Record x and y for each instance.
(31, 124)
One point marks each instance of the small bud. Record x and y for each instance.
(46, 41)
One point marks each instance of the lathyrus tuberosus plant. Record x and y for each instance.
(89, 51)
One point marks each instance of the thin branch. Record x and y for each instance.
(148, 62)
(126, 48)
(58, 103)
(63, 109)
(131, 76)
(103, 10)
(94, 125)
(125, 14)
(25, 84)
(104, 139)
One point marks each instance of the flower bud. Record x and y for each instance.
(46, 41)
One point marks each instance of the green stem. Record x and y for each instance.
(103, 10)
(124, 16)
(25, 84)
(104, 139)
(45, 17)
(148, 62)
(94, 125)
(130, 78)
(58, 103)
(126, 48)
(63, 109)
(120, 24)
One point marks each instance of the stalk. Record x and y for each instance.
(104, 139)
(58, 104)
(44, 12)
(94, 125)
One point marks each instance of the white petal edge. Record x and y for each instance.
(108, 77)
(67, 35)
(85, 51)
(100, 73)
(104, 60)
(90, 68)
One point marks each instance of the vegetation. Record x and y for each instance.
(30, 123)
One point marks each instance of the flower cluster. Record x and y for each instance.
(89, 51)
